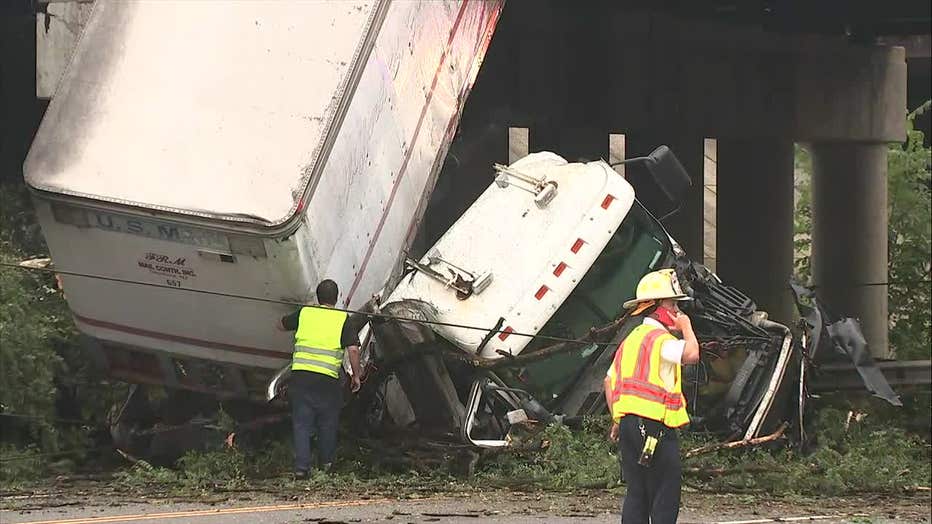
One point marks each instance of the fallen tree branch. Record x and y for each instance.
(731, 489)
(737, 443)
(722, 472)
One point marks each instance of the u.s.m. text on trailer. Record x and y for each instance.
(118, 223)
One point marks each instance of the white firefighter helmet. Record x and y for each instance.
(657, 285)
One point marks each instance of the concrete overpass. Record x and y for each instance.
(616, 79)
(574, 77)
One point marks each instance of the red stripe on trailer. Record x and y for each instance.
(505, 332)
(404, 163)
(577, 245)
(559, 270)
(212, 344)
(608, 201)
(541, 292)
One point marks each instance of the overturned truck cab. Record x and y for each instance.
(510, 321)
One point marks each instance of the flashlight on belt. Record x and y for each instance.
(647, 453)
(652, 434)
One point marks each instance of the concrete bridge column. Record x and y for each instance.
(754, 221)
(849, 234)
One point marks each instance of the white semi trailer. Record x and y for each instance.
(244, 147)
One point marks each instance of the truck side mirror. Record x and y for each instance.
(669, 174)
(666, 171)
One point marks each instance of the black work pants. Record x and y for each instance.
(653, 492)
(316, 400)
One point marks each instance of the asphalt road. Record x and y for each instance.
(443, 510)
(378, 510)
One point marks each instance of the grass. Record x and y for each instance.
(20, 465)
(870, 456)
(582, 459)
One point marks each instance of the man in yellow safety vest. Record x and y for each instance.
(321, 336)
(643, 392)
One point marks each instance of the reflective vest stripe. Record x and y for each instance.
(313, 368)
(318, 358)
(335, 368)
(617, 374)
(331, 353)
(616, 389)
(652, 393)
(635, 337)
(642, 370)
(646, 387)
(317, 346)
(636, 385)
(638, 390)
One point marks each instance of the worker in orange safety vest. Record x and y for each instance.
(644, 394)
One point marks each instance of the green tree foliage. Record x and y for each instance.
(28, 360)
(33, 323)
(910, 239)
(802, 223)
(44, 377)
(910, 245)
(853, 456)
(573, 460)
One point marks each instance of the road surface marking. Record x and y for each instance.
(209, 512)
(783, 519)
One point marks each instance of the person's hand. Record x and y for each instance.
(682, 322)
(356, 383)
(613, 433)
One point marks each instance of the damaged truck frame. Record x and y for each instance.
(545, 258)
(180, 245)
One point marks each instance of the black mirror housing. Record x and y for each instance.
(669, 173)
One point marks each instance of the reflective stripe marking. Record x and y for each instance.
(559, 270)
(505, 332)
(541, 292)
(304, 357)
(652, 393)
(316, 366)
(642, 393)
(577, 245)
(637, 386)
(407, 156)
(334, 353)
(642, 369)
(616, 390)
(608, 201)
(318, 363)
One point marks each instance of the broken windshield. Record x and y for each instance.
(640, 245)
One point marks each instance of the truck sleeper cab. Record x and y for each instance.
(553, 249)
(550, 248)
